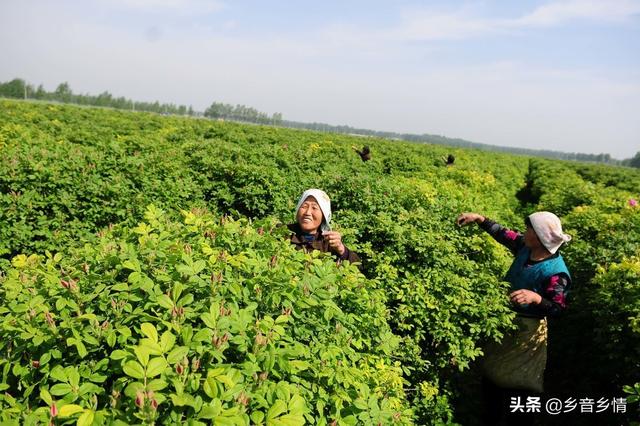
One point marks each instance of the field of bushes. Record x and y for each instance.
(145, 277)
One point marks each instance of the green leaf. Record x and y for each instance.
(297, 365)
(182, 400)
(146, 284)
(186, 300)
(202, 335)
(287, 420)
(157, 384)
(283, 392)
(142, 354)
(90, 317)
(210, 387)
(165, 301)
(210, 411)
(208, 319)
(156, 366)
(282, 319)
(134, 369)
(297, 405)
(46, 396)
(276, 409)
(86, 419)
(111, 339)
(167, 341)
(124, 331)
(60, 304)
(119, 354)
(328, 314)
(82, 350)
(73, 375)
(150, 331)
(60, 389)
(350, 420)
(120, 287)
(361, 404)
(89, 388)
(226, 380)
(152, 347)
(69, 410)
(257, 417)
(44, 359)
(131, 264)
(58, 373)
(177, 354)
(177, 290)
(133, 388)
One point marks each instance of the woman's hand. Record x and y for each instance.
(525, 297)
(335, 241)
(467, 218)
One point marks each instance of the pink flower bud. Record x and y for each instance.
(53, 410)
(195, 364)
(633, 202)
(49, 318)
(140, 399)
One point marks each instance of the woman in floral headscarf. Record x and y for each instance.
(312, 230)
(539, 282)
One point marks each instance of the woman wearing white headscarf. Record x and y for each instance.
(312, 230)
(539, 282)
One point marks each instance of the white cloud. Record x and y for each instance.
(463, 23)
(596, 10)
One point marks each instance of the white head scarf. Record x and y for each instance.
(549, 230)
(323, 201)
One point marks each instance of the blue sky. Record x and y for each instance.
(560, 75)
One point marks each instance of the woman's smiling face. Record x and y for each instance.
(309, 215)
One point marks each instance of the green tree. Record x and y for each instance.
(13, 89)
(635, 161)
(63, 92)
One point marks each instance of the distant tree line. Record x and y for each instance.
(443, 140)
(18, 88)
(219, 110)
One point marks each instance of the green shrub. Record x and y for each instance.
(204, 320)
